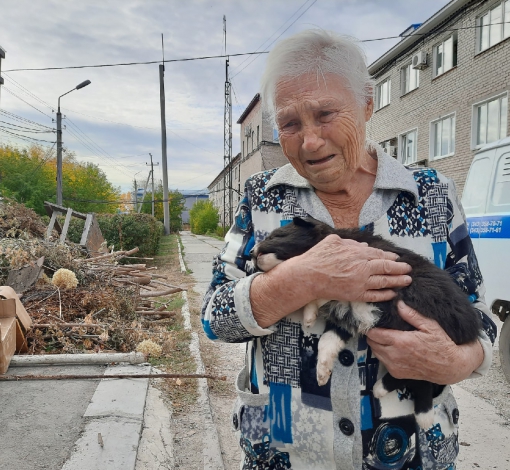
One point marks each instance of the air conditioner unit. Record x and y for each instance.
(391, 150)
(419, 60)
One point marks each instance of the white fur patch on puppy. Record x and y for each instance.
(330, 345)
(379, 391)
(268, 261)
(425, 420)
(366, 314)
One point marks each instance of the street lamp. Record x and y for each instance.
(59, 142)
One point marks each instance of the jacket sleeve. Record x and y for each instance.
(226, 310)
(462, 265)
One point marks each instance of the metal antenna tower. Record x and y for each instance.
(227, 142)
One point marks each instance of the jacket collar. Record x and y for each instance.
(391, 175)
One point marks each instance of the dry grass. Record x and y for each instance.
(176, 356)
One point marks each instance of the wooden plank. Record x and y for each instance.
(65, 228)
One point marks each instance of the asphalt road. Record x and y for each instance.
(41, 420)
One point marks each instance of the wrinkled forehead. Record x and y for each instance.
(311, 91)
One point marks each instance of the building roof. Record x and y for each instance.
(418, 34)
(2, 53)
(247, 111)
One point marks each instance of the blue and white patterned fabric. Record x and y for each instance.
(282, 417)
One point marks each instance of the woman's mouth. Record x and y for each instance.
(322, 160)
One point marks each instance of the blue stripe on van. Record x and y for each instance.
(489, 226)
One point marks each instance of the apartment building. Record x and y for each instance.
(442, 91)
(260, 150)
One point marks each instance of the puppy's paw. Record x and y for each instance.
(379, 391)
(425, 420)
(323, 373)
(310, 314)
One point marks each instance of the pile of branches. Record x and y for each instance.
(18, 221)
(114, 307)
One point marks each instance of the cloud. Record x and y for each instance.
(52, 33)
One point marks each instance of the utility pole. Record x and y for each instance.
(166, 208)
(227, 142)
(136, 196)
(2, 56)
(152, 173)
(59, 141)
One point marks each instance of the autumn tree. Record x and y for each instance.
(175, 202)
(29, 176)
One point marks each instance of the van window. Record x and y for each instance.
(474, 197)
(500, 200)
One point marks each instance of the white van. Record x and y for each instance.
(486, 201)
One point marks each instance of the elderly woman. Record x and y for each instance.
(317, 89)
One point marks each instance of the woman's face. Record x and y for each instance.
(322, 129)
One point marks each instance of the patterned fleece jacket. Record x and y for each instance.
(283, 419)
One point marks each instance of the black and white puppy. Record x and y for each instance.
(433, 293)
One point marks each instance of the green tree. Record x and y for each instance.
(175, 203)
(28, 176)
(203, 217)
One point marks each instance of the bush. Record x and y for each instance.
(203, 217)
(124, 231)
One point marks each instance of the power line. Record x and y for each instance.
(22, 119)
(28, 92)
(31, 105)
(25, 137)
(189, 59)
(277, 31)
(134, 63)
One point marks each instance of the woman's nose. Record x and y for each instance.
(312, 138)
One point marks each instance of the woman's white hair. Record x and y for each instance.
(319, 52)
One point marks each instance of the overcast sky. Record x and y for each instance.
(117, 117)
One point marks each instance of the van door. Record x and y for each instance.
(474, 196)
(492, 252)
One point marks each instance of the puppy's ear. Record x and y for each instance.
(302, 222)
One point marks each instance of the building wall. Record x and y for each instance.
(475, 78)
(188, 204)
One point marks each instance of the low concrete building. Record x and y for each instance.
(260, 150)
(190, 197)
(219, 196)
(442, 91)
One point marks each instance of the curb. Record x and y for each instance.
(213, 459)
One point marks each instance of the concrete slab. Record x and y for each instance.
(116, 411)
(155, 451)
(120, 438)
(40, 420)
(120, 397)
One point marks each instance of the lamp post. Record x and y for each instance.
(59, 142)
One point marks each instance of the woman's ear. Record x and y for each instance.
(369, 109)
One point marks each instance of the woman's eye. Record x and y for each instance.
(289, 125)
(326, 116)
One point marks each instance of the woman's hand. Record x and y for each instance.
(427, 353)
(343, 269)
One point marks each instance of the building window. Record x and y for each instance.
(442, 138)
(258, 135)
(493, 26)
(490, 120)
(445, 55)
(252, 140)
(382, 93)
(276, 137)
(243, 149)
(409, 78)
(407, 146)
